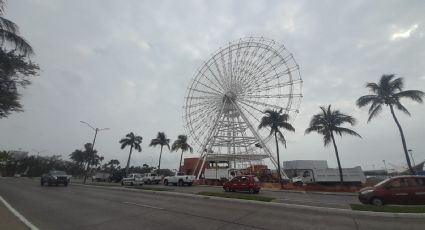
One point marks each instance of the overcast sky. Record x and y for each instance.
(126, 65)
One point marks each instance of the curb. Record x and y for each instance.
(346, 212)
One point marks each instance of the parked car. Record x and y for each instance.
(116, 176)
(54, 177)
(151, 178)
(397, 190)
(98, 177)
(179, 179)
(132, 179)
(248, 183)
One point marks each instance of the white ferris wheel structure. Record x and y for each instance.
(229, 93)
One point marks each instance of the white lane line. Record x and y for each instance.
(17, 214)
(143, 205)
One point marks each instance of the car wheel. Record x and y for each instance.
(131, 183)
(49, 183)
(166, 182)
(149, 182)
(377, 201)
(181, 183)
(41, 182)
(65, 184)
(251, 190)
(122, 183)
(227, 189)
(189, 184)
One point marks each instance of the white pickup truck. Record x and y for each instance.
(132, 179)
(179, 180)
(151, 178)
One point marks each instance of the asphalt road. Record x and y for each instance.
(88, 207)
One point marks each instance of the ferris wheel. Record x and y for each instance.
(229, 94)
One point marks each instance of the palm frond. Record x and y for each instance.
(365, 100)
(374, 112)
(415, 95)
(18, 42)
(402, 108)
(341, 130)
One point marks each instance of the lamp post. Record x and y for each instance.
(96, 130)
(411, 157)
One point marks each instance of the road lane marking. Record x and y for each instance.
(17, 214)
(143, 205)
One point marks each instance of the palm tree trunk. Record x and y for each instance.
(278, 158)
(337, 159)
(403, 140)
(128, 161)
(181, 157)
(159, 163)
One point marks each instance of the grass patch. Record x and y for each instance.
(150, 188)
(392, 209)
(237, 196)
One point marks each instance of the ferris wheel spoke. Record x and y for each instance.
(207, 92)
(274, 86)
(265, 105)
(271, 96)
(215, 77)
(216, 87)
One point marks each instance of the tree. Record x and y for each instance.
(388, 92)
(161, 139)
(181, 143)
(112, 163)
(276, 120)
(329, 122)
(9, 34)
(14, 73)
(79, 157)
(134, 142)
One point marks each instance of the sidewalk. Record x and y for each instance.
(10, 221)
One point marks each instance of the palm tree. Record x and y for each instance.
(275, 120)
(79, 157)
(388, 92)
(161, 139)
(9, 33)
(329, 122)
(134, 142)
(112, 163)
(181, 143)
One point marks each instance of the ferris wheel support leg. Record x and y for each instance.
(202, 166)
(266, 149)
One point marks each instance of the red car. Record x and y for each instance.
(248, 183)
(397, 190)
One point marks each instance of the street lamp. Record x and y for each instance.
(92, 146)
(411, 157)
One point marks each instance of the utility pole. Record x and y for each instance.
(411, 157)
(96, 130)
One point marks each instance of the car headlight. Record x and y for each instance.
(366, 191)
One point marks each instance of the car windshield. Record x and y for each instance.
(256, 179)
(57, 173)
(382, 182)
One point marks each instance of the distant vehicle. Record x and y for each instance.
(330, 175)
(54, 177)
(397, 190)
(223, 174)
(248, 183)
(179, 180)
(132, 179)
(317, 171)
(151, 178)
(98, 177)
(116, 176)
